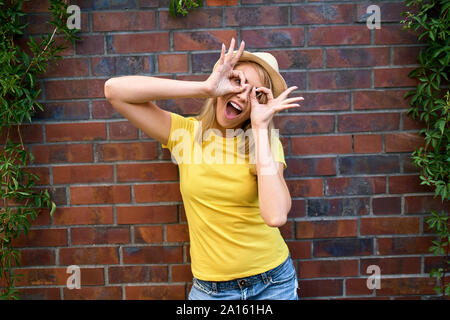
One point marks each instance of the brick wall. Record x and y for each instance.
(356, 195)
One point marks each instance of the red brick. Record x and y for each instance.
(424, 204)
(357, 287)
(37, 257)
(100, 194)
(150, 234)
(90, 44)
(65, 110)
(305, 188)
(343, 247)
(383, 206)
(157, 192)
(132, 274)
(202, 40)
(59, 276)
(311, 167)
(301, 59)
(39, 293)
(153, 254)
(320, 288)
(287, 230)
(407, 286)
(172, 63)
(93, 293)
(357, 57)
(342, 79)
(380, 99)
(123, 130)
(83, 215)
(146, 214)
(249, 16)
(321, 145)
(76, 131)
(403, 245)
(146, 172)
(327, 268)
(80, 174)
(322, 14)
(325, 101)
(62, 153)
(67, 67)
(273, 38)
(326, 229)
(102, 109)
(101, 235)
(88, 255)
(28, 133)
(338, 207)
(298, 208)
(204, 18)
(411, 124)
(336, 35)
(127, 151)
(74, 89)
(121, 21)
(371, 164)
(403, 142)
(300, 249)
(401, 265)
(394, 77)
(42, 173)
(163, 292)
(406, 184)
(181, 273)
(290, 124)
(396, 225)
(177, 233)
(395, 34)
(406, 55)
(355, 185)
(138, 42)
(42, 238)
(368, 122)
(367, 143)
(212, 3)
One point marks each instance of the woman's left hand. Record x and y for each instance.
(261, 114)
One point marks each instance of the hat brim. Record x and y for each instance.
(278, 83)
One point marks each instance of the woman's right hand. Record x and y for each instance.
(223, 79)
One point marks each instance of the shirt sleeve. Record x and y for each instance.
(181, 129)
(278, 152)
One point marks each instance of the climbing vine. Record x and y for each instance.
(430, 103)
(21, 200)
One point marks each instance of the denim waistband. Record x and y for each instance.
(242, 282)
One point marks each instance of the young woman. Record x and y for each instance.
(231, 171)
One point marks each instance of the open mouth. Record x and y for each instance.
(232, 110)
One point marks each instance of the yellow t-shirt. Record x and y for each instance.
(228, 237)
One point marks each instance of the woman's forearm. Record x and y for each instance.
(274, 198)
(141, 89)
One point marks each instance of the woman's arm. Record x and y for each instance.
(273, 193)
(132, 96)
(141, 89)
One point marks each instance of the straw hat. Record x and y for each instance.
(270, 64)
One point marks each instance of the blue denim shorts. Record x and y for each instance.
(279, 283)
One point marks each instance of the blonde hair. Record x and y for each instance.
(207, 117)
